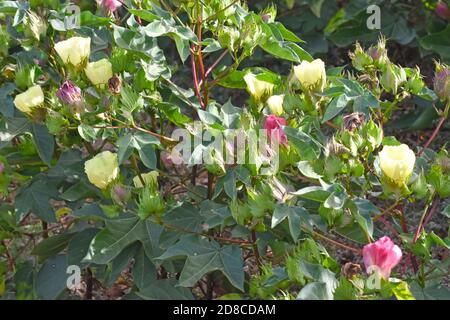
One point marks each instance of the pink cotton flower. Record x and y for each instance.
(273, 125)
(382, 256)
(442, 10)
(111, 5)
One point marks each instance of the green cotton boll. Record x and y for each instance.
(150, 203)
(56, 124)
(25, 77)
(393, 76)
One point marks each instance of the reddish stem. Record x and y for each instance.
(194, 75)
(433, 135)
(425, 221)
(211, 68)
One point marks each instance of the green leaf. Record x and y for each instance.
(336, 106)
(144, 14)
(117, 235)
(52, 278)
(44, 141)
(314, 193)
(52, 246)
(296, 216)
(144, 272)
(314, 291)
(285, 33)
(35, 198)
(286, 50)
(166, 289)
(205, 256)
(307, 170)
(142, 143)
(87, 132)
(79, 245)
(7, 107)
(326, 283)
(185, 217)
(438, 42)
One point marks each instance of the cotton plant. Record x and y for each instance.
(271, 184)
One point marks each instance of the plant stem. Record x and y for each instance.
(136, 167)
(256, 250)
(338, 244)
(433, 135)
(424, 219)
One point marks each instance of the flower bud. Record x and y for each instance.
(442, 10)
(441, 81)
(312, 75)
(393, 76)
(99, 72)
(120, 194)
(69, 93)
(275, 104)
(378, 53)
(2, 168)
(115, 85)
(381, 256)
(111, 5)
(74, 51)
(29, 99)
(102, 169)
(397, 163)
(150, 179)
(273, 125)
(268, 15)
(258, 89)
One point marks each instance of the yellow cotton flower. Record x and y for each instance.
(99, 72)
(258, 89)
(397, 163)
(102, 169)
(150, 178)
(275, 104)
(29, 99)
(311, 75)
(75, 50)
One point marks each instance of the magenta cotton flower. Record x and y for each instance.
(273, 125)
(381, 256)
(69, 93)
(442, 10)
(111, 5)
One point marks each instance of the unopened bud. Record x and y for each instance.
(442, 10)
(441, 81)
(120, 194)
(69, 93)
